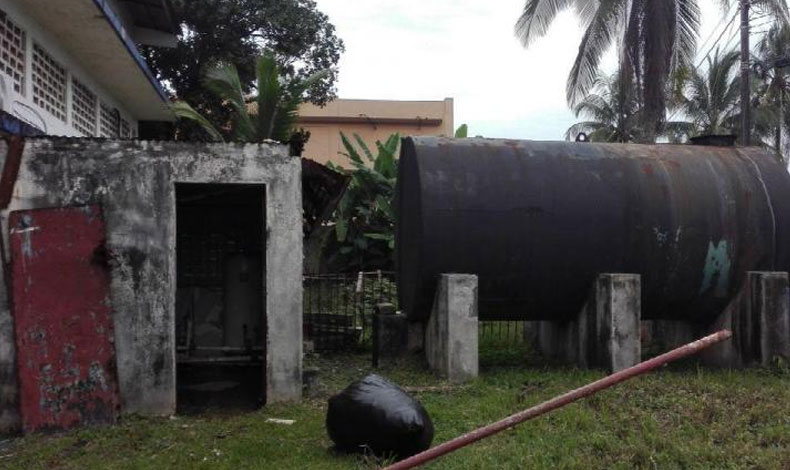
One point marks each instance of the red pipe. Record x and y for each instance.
(560, 401)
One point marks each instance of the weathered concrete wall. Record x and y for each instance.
(451, 334)
(134, 182)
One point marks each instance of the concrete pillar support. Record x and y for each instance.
(451, 333)
(605, 334)
(759, 318)
(770, 312)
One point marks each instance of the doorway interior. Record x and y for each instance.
(220, 297)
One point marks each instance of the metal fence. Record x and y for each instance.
(339, 308)
(503, 333)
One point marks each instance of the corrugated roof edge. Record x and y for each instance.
(117, 25)
(51, 137)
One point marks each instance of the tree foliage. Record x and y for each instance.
(615, 115)
(655, 39)
(238, 32)
(364, 220)
(270, 114)
(772, 116)
(711, 98)
(612, 115)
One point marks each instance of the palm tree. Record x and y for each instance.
(711, 99)
(655, 37)
(613, 116)
(773, 90)
(269, 115)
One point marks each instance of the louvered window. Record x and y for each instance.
(109, 121)
(83, 108)
(126, 129)
(49, 83)
(12, 52)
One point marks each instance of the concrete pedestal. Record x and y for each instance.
(451, 333)
(770, 313)
(390, 335)
(606, 332)
(759, 318)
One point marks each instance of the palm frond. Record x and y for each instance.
(601, 32)
(269, 91)
(776, 8)
(183, 110)
(536, 18)
(223, 81)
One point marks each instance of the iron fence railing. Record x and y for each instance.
(502, 332)
(339, 308)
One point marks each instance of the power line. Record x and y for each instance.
(715, 43)
(733, 37)
(732, 20)
(715, 28)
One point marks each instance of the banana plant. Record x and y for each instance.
(462, 132)
(364, 221)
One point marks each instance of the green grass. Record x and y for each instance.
(686, 418)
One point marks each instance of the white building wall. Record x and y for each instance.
(23, 106)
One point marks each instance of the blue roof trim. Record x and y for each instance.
(117, 25)
(13, 125)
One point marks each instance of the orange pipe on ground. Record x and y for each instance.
(560, 401)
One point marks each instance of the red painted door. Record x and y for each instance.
(62, 318)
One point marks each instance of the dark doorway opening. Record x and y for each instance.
(220, 298)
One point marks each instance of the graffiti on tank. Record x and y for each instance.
(716, 274)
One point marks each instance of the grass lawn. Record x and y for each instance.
(685, 417)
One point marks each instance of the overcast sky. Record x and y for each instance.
(466, 49)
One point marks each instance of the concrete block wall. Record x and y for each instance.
(134, 182)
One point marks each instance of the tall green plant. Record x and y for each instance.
(365, 218)
(270, 114)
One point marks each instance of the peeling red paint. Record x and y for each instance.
(62, 318)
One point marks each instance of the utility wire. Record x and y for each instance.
(715, 43)
(728, 43)
(716, 28)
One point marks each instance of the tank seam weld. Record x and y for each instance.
(770, 208)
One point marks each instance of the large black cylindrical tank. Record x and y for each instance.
(537, 221)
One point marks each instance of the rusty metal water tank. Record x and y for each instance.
(536, 221)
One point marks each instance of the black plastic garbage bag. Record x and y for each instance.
(377, 415)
